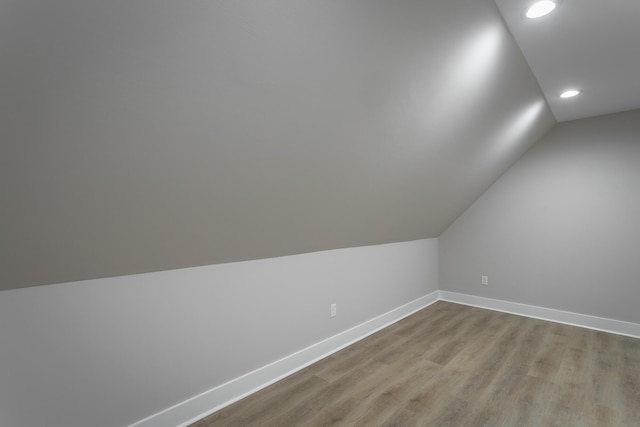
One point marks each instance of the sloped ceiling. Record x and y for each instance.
(148, 135)
(589, 45)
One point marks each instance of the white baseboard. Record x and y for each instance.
(198, 407)
(191, 410)
(575, 319)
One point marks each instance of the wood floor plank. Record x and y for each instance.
(628, 381)
(550, 354)
(454, 365)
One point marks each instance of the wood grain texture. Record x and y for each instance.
(454, 365)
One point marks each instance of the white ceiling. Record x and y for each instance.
(592, 45)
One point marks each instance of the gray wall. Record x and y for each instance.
(148, 135)
(109, 352)
(561, 228)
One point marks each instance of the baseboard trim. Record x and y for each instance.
(575, 319)
(198, 407)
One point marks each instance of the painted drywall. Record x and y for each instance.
(585, 46)
(561, 228)
(149, 135)
(110, 352)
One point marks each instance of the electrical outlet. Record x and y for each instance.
(485, 280)
(334, 310)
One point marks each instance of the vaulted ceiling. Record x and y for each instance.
(590, 45)
(152, 134)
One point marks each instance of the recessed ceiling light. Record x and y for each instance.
(569, 93)
(540, 8)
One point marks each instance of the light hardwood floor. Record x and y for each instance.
(454, 365)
